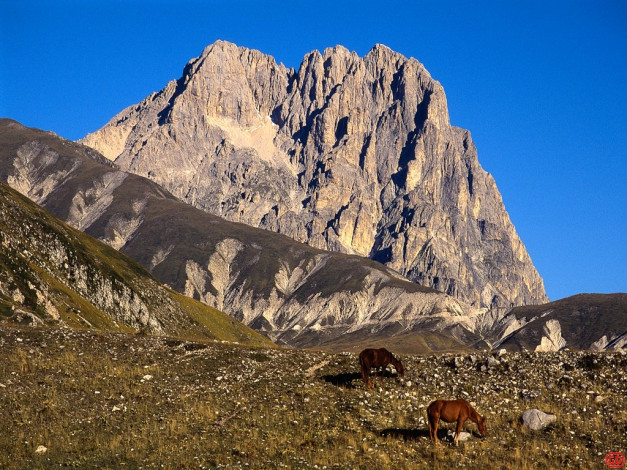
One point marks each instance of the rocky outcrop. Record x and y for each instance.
(552, 339)
(348, 154)
(294, 293)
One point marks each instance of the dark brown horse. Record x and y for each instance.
(369, 358)
(450, 411)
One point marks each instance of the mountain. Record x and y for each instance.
(349, 154)
(294, 293)
(52, 274)
(584, 321)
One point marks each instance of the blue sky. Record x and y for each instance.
(541, 85)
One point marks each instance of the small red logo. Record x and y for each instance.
(615, 459)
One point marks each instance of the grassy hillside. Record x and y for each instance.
(583, 319)
(109, 401)
(55, 275)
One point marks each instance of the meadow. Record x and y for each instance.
(85, 399)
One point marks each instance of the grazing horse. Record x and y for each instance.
(450, 411)
(369, 358)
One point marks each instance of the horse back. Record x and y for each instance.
(450, 410)
(375, 357)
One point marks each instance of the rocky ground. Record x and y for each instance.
(82, 399)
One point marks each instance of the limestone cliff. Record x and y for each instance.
(294, 293)
(350, 154)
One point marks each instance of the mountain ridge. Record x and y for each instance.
(293, 293)
(349, 154)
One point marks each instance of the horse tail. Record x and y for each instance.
(362, 366)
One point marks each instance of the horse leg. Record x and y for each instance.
(365, 371)
(430, 427)
(435, 430)
(460, 424)
(433, 427)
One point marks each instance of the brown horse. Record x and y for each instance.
(450, 411)
(369, 358)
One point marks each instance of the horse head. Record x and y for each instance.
(483, 430)
(399, 367)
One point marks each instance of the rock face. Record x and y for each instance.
(348, 154)
(294, 293)
(552, 339)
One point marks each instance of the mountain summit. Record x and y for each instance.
(349, 154)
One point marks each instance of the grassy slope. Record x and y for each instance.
(583, 318)
(102, 400)
(201, 320)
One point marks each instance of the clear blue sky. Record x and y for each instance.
(541, 85)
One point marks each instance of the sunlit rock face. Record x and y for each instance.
(347, 153)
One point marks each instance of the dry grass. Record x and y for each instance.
(103, 400)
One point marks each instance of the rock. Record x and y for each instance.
(536, 419)
(492, 362)
(456, 362)
(463, 436)
(348, 154)
(41, 450)
(529, 395)
(565, 380)
(553, 340)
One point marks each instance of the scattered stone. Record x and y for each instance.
(537, 420)
(529, 395)
(565, 380)
(463, 436)
(492, 362)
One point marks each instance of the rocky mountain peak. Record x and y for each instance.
(345, 153)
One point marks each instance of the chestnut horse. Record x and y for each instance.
(453, 410)
(369, 358)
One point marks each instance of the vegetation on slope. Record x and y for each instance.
(56, 275)
(584, 319)
(85, 399)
